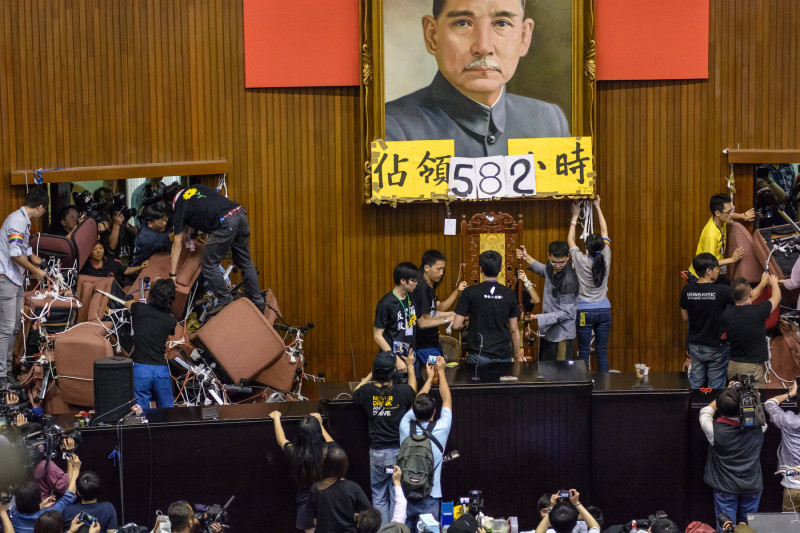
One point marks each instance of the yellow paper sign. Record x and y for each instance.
(563, 165)
(410, 170)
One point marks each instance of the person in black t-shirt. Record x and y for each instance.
(702, 304)
(492, 308)
(432, 312)
(66, 221)
(385, 403)
(88, 488)
(311, 444)
(102, 266)
(745, 326)
(207, 211)
(153, 324)
(336, 501)
(396, 315)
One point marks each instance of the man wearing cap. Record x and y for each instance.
(385, 403)
(15, 258)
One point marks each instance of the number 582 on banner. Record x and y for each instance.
(492, 177)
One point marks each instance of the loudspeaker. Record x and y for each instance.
(113, 389)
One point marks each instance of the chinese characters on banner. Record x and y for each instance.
(405, 171)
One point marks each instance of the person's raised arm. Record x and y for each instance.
(113, 237)
(364, 381)
(377, 336)
(73, 470)
(747, 216)
(600, 218)
(444, 388)
(426, 387)
(528, 284)
(756, 292)
(458, 322)
(175, 254)
(400, 502)
(448, 303)
(775, 297)
(280, 436)
(544, 525)
(576, 211)
(325, 434)
(522, 253)
(135, 270)
(412, 376)
(574, 499)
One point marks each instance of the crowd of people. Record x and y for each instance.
(574, 305)
(165, 214)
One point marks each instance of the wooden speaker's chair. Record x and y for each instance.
(492, 231)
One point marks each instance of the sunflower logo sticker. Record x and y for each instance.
(192, 192)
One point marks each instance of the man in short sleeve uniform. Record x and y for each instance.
(207, 211)
(15, 258)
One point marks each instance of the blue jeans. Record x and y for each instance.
(422, 358)
(709, 364)
(599, 321)
(11, 298)
(480, 360)
(736, 506)
(381, 482)
(152, 381)
(417, 507)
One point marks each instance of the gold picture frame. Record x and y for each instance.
(581, 116)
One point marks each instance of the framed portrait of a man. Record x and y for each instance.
(477, 72)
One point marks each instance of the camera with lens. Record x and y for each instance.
(119, 206)
(751, 413)
(644, 523)
(47, 443)
(86, 204)
(212, 514)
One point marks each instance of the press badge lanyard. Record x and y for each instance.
(406, 309)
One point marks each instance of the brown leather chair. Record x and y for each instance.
(76, 350)
(748, 266)
(241, 340)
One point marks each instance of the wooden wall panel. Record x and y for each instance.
(87, 82)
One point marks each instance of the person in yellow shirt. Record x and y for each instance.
(714, 237)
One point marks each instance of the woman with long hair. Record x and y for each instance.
(592, 269)
(306, 455)
(335, 501)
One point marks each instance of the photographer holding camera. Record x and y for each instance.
(733, 468)
(563, 514)
(385, 403)
(30, 505)
(789, 452)
(184, 520)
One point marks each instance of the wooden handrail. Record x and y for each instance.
(118, 172)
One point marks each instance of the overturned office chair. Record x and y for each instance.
(493, 231)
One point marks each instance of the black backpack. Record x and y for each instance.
(415, 460)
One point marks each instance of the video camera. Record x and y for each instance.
(48, 443)
(644, 523)
(212, 514)
(10, 411)
(85, 203)
(751, 413)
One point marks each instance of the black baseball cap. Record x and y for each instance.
(382, 366)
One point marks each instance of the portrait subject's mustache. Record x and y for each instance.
(484, 62)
